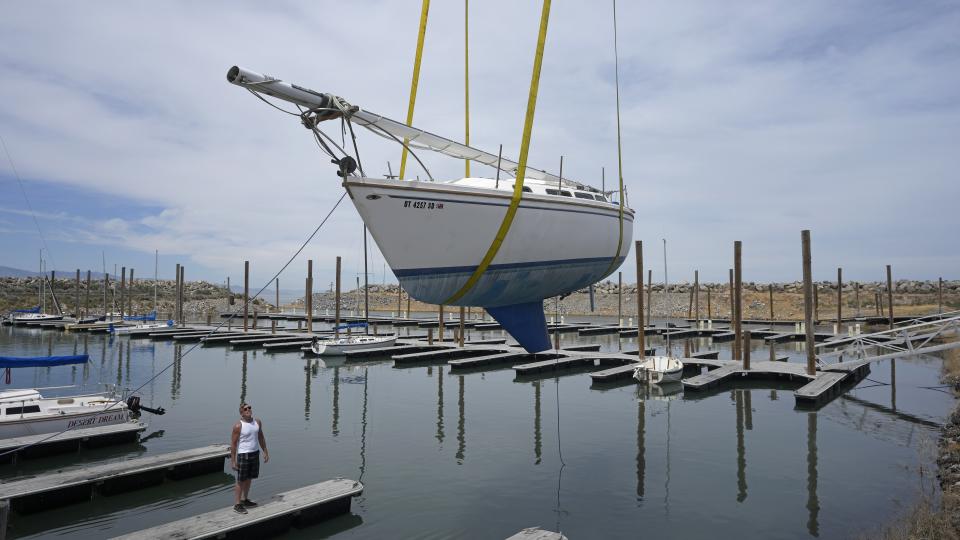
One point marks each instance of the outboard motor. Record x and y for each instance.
(133, 403)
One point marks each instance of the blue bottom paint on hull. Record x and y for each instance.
(507, 284)
(512, 293)
(526, 323)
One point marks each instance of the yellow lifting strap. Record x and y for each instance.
(466, 78)
(522, 166)
(416, 79)
(616, 63)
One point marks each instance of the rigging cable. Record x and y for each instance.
(616, 63)
(16, 175)
(232, 316)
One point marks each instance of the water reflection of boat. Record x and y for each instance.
(667, 391)
(339, 346)
(659, 370)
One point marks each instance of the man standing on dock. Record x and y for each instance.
(245, 443)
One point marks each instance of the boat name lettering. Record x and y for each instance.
(103, 419)
(423, 204)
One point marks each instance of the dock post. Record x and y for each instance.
(246, 293)
(939, 295)
(638, 247)
(399, 300)
(709, 306)
(731, 300)
(336, 310)
(254, 319)
(308, 299)
(106, 283)
(462, 311)
(816, 302)
(839, 298)
(649, 294)
(208, 319)
(772, 318)
(619, 299)
(696, 295)
(890, 295)
(277, 289)
(77, 309)
(123, 290)
(86, 309)
(130, 308)
(746, 350)
(738, 285)
(183, 293)
(429, 336)
(856, 294)
(408, 305)
(440, 320)
(273, 326)
(808, 302)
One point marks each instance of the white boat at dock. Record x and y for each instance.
(341, 345)
(122, 330)
(27, 412)
(659, 370)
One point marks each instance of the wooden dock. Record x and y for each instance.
(536, 533)
(49, 491)
(70, 441)
(297, 508)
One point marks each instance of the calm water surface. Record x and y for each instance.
(485, 454)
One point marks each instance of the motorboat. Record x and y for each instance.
(121, 330)
(504, 244)
(27, 412)
(659, 370)
(337, 346)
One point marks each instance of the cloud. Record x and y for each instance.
(745, 122)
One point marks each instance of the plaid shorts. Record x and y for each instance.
(248, 466)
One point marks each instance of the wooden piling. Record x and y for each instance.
(308, 299)
(106, 283)
(696, 295)
(808, 302)
(839, 298)
(246, 294)
(890, 294)
(770, 289)
(440, 318)
(461, 333)
(878, 302)
(738, 285)
(86, 309)
(77, 308)
(745, 347)
(816, 302)
(123, 289)
(277, 289)
(709, 305)
(940, 296)
(731, 298)
(399, 300)
(429, 336)
(408, 305)
(856, 295)
(183, 294)
(638, 247)
(336, 309)
(130, 308)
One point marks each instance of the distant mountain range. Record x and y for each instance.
(6, 271)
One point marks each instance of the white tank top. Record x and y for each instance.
(249, 437)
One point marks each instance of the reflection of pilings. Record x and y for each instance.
(127, 365)
(893, 384)
(537, 436)
(103, 353)
(461, 435)
(335, 428)
(363, 426)
(641, 447)
(175, 377)
(813, 503)
(243, 378)
(741, 450)
(747, 410)
(893, 412)
(119, 365)
(440, 404)
(773, 395)
(306, 390)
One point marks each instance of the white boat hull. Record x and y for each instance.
(337, 347)
(434, 235)
(660, 370)
(54, 424)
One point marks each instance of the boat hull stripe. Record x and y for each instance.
(524, 206)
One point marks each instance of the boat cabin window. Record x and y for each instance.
(564, 193)
(579, 195)
(21, 410)
(600, 198)
(526, 189)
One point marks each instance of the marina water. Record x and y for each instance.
(485, 454)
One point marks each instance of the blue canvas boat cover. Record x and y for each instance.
(42, 361)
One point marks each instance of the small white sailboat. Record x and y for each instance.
(26, 412)
(121, 330)
(341, 345)
(659, 370)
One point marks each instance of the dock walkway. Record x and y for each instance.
(70, 441)
(48, 491)
(297, 508)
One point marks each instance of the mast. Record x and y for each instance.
(366, 284)
(40, 283)
(666, 298)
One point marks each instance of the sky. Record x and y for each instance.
(744, 121)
